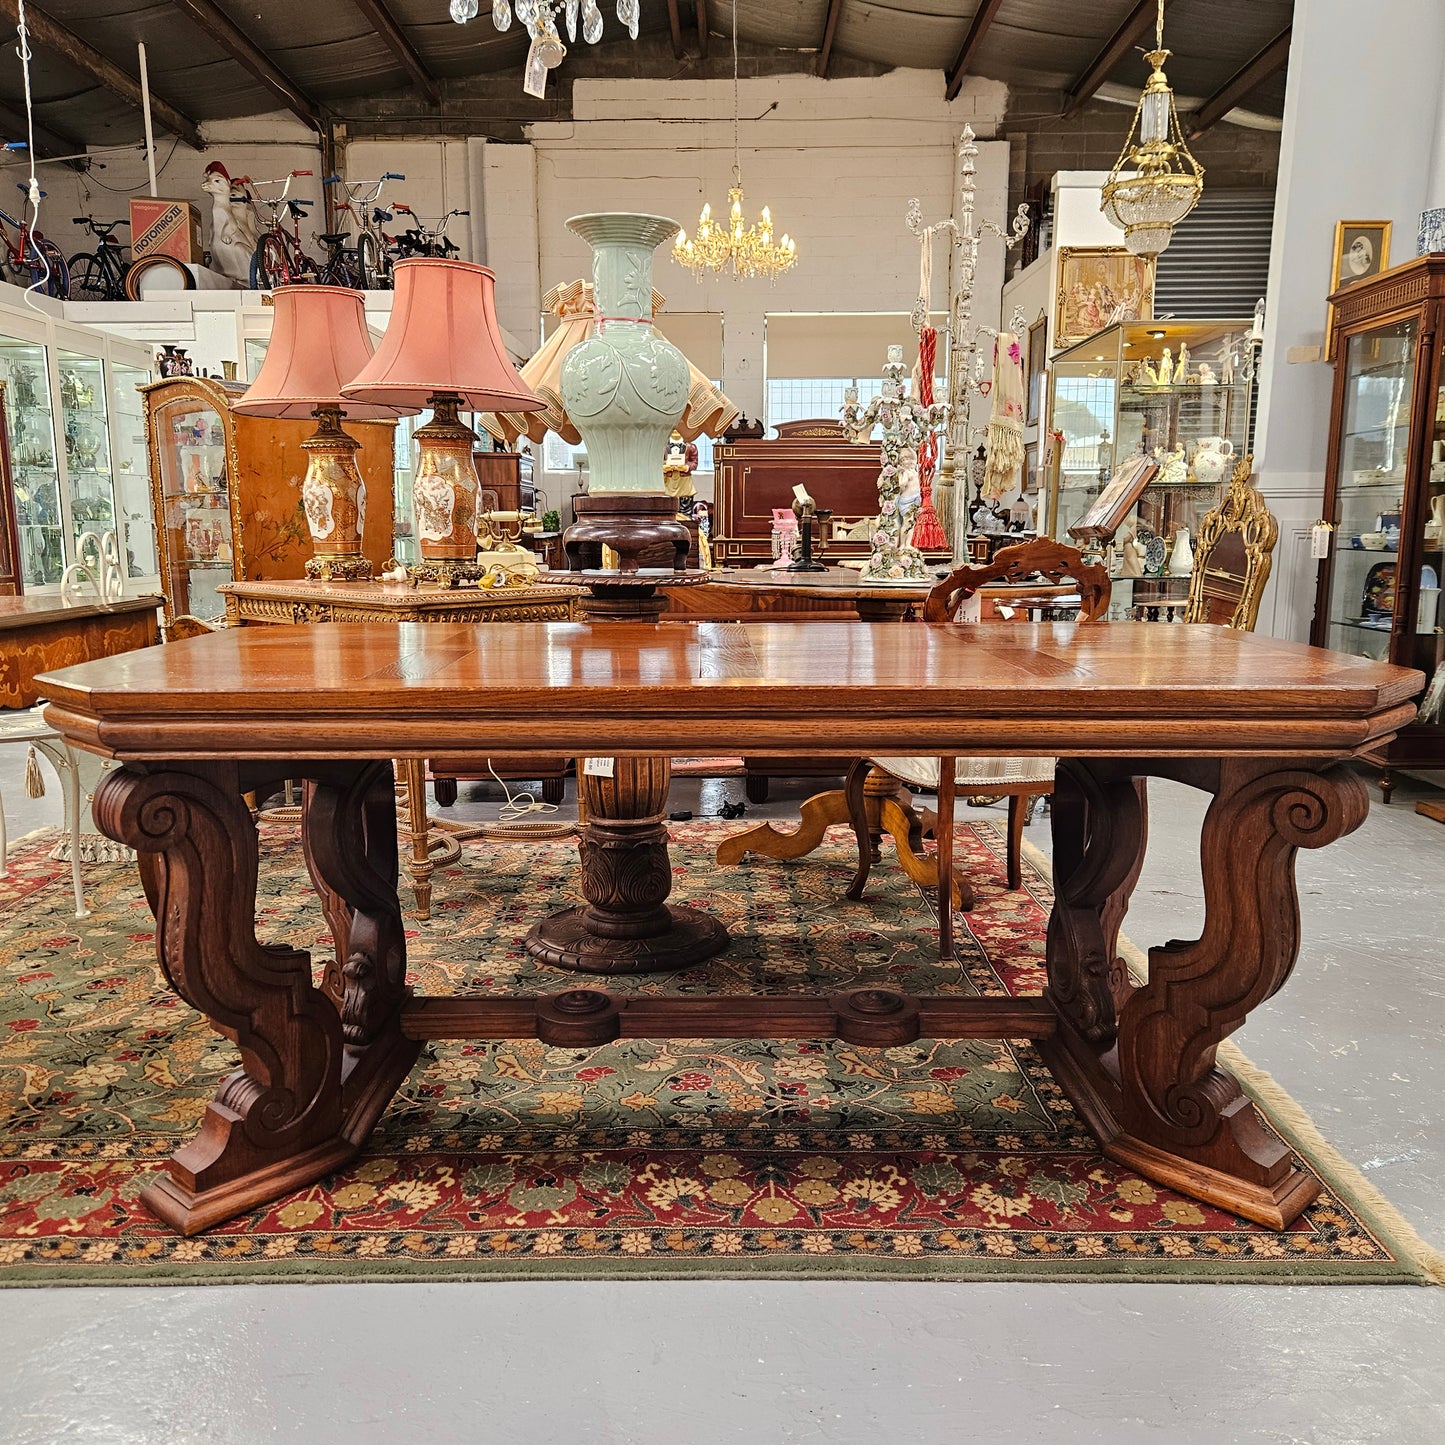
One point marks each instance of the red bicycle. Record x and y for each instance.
(279, 258)
(31, 259)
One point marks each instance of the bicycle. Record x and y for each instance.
(99, 275)
(32, 259)
(338, 266)
(280, 259)
(423, 239)
(371, 264)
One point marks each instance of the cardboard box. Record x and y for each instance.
(165, 228)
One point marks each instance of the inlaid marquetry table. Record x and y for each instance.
(1263, 726)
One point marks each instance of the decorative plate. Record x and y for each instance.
(1155, 550)
(1378, 597)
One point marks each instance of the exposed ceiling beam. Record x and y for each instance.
(1273, 58)
(674, 24)
(982, 19)
(53, 36)
(702, 28)
(830, 29)
(1135, 27)
(49, 142)
(397, 42)
(233, 40)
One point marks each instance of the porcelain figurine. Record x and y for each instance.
(1181, 367)
(1206, 375)
(625, 387)
(1173, 469)
(1166, 367)
(1131, 552)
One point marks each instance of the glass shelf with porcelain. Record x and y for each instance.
(85, 428)
(1183, 392)
(38, 507)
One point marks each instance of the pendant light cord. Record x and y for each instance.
(738, 105)
(1158, 27)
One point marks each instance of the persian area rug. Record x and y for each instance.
(797, 1159)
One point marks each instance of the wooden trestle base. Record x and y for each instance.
(626, 925)
(318, 1065)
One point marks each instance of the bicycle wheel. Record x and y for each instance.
(51, 273)
(88, 281)
(268, 265)
(372, 264)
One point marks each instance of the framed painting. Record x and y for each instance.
(1100, 286)
(1031, 468)
(1038, 360)
(1362, 250)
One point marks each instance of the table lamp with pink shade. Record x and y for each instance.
(443, 349)
(319, 341)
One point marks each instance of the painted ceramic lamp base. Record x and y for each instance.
(333, 496)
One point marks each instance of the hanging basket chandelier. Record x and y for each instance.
(1155, 182)
(745, 250)
(547, 51)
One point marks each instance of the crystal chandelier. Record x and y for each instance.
(1155, 182)
(547, 51)
(747, 250)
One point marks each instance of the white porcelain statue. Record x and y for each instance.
(234, 230)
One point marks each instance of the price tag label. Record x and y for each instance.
(1320, 540)
(598, 767)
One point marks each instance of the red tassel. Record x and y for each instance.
(928, 535)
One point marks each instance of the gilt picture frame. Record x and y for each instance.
(1038, 361)
(1100, 286)
(1361, 251)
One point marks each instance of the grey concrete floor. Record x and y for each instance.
(1354, 1036)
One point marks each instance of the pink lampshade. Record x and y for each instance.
(443, 337)
(319, 341)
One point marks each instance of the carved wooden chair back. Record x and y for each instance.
(1042, 557)
(1233, 555)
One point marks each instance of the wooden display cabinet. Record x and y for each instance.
(1378, 591)
(226, 490)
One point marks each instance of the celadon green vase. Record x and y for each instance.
(625, 387)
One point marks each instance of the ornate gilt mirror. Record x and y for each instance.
(1233, 556)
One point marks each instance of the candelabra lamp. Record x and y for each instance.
(906, 425)
(443, 349)
(319, 341)
(968, 356)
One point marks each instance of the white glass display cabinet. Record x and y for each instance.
(77, 438)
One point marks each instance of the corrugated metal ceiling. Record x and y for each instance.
(330, 51)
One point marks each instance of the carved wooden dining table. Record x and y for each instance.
(1261, 725)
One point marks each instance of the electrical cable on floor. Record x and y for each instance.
(513, 813)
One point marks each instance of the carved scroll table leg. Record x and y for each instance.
(626, 925)
(311, 1083)
(1139, 1062)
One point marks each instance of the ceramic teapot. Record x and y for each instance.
(1213, 457)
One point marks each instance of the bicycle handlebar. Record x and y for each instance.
(393, 176)
(330, 180)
